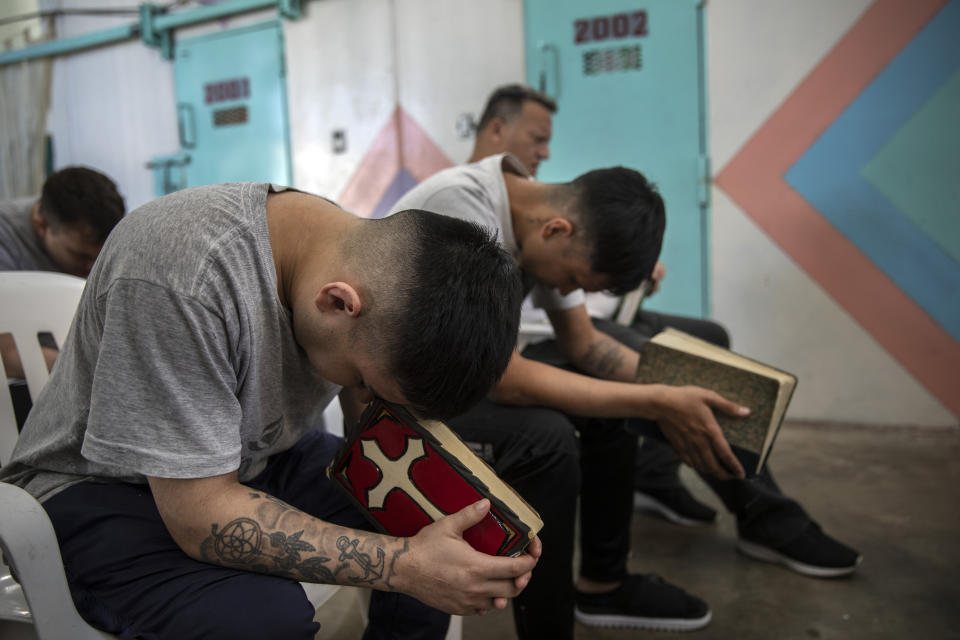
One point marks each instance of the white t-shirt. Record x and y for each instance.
(477, 192)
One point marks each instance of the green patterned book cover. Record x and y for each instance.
(676, 358)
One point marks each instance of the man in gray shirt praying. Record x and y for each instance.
(172, 446)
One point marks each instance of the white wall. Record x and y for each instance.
(341, 75)
(451, 54)
(351, 62)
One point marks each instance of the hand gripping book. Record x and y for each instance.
(405, 472)
(676, 358)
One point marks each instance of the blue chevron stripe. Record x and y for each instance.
(829, 176)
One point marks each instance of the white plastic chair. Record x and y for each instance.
(32, 302)
(36, 603)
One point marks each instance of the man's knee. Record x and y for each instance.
(533, 449)
(551, 431)
(545, 468)
(515, 434)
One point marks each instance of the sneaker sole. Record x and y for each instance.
(759, 552)
(643, 502)
(636, 622)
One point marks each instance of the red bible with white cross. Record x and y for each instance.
(406, 472)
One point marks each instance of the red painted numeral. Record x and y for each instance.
(639, 20)
(621, 25)
(601, 28)
(581, 31)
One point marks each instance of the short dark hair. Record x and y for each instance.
(455, 311)
(624, 218)
(78, 196)
(507, 101)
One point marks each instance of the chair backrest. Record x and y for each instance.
(32, 302)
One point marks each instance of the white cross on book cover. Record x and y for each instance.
(406, 472)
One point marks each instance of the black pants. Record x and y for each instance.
(551, 459)
(764, 514)
(128, 576)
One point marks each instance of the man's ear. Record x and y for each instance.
(496, 128)
(338, 296)
(38, 221)
(557, 228)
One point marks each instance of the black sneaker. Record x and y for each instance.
(675, 504)
(643, 602)
(812, 554)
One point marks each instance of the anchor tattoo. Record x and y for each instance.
(348, 550)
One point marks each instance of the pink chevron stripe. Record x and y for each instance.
(401, 143)
(376, 171)
(754, 180)
(419, 154)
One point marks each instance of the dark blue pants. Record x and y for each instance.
(129, 577)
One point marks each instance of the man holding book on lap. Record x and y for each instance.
(173, 446)
(771, 526)
(554, 426)
(561, 239)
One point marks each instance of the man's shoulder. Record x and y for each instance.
(471, 186)
(17, 206)
(466, 176)
(185, 238)
(191, 217)
(19, 249)
(15, 214)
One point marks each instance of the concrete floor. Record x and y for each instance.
(892, 493)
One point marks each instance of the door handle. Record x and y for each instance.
(164, 168)
(186, 125)
(548, 50)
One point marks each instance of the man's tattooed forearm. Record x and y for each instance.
(603, 358)
(243, 544)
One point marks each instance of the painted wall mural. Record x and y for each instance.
(401, 156)
(854, 176)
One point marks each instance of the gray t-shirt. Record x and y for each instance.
(19, 249)
(477, 192)
(181, 361)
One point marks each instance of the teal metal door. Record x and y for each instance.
(628, 77)
(232, 106)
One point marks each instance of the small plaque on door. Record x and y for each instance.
(612, 59)
(234, 115)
